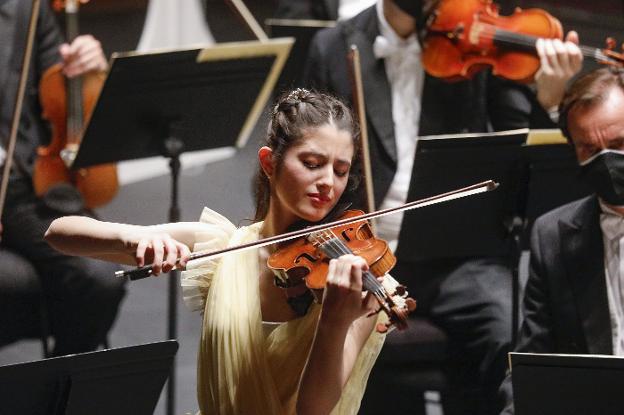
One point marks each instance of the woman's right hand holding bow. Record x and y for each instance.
(159, 249)
(161, 245)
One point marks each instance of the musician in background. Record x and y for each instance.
(82, 295)
(469, 298)
(320, 9)
(574, 299)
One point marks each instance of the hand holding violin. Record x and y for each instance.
(83, 55)
(559, 62)
(343, 300)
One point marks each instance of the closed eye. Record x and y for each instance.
(341, 173)
(311, 165)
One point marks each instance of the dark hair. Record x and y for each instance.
(589, 90)
(294, 114)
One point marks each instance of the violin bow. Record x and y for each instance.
(355, 73)
(19, 100)
(482, 187)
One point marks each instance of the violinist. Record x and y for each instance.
(81, 297)
(469, 298)
(260, 352)
(573, 297)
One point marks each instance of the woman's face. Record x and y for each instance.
(313, 174)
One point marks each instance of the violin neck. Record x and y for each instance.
(526, 43)
(74, 85)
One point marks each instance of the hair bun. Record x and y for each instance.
(298, 95)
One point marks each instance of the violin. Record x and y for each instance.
(67, 103)
(462, 37)
(321, 246)
(307, 259)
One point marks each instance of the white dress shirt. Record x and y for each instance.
(349, 8)
(405, 76)
(612, 225)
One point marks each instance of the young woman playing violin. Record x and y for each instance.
(257, 354)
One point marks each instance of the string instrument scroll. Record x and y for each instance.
(463, 37)
(67, 103)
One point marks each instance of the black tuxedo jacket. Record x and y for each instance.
(565, 305)
(14, 15)
(481, 104)
(308, 9)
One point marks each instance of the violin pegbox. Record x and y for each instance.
(614, 58)
(401, 304)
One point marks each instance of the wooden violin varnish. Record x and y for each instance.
(67, 103)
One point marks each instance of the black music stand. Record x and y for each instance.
(475, 226)
(302, 30)
(553, 176)
(124, 381)
(546, 384)
(170, 102)
(534, 176)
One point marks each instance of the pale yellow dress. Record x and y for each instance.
(240, 370)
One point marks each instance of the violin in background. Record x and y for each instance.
(464, 37)
(67, 103)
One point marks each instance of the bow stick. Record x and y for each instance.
(486, 186)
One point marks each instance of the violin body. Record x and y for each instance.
(302, 258)
(97, 184)
(307, 260)
(466, 36)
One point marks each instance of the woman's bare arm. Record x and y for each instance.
(123, 243)
(342, 330)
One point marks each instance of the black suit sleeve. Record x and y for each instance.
(512, 105)
(48, 41)
(536, 334)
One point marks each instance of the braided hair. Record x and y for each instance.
(295, 113)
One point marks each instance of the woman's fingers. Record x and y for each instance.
(158, 252)
(161, 251)
(171, 251)
(184, 254)
(140, 252)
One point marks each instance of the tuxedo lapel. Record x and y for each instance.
(377, 93)
(582, 248)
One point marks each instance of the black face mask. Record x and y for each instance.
(605, 174)
(411, 7)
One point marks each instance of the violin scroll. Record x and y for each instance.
(401, 306)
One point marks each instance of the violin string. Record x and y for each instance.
(367, 276)
(337, 248)
(520, 39)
